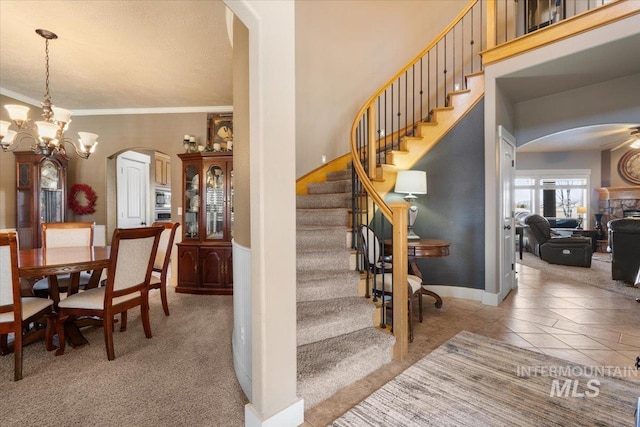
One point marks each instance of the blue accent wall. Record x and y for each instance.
(453, 208)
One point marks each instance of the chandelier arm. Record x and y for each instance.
(80, 152)
(20, 136)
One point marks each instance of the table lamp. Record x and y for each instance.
(581, 211)
(411, 182)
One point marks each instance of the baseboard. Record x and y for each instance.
(289, 417)
(465, 293)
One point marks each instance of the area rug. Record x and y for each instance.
(599, 275)
(473, 380)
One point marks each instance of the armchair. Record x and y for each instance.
(624, 241)
(575, 251)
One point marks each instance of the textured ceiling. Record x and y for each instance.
(118, 54)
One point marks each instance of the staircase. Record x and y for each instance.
(337, 343)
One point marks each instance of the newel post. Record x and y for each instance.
(399, 212)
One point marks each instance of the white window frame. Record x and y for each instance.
(537, 175)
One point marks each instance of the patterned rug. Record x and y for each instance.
(476, 381)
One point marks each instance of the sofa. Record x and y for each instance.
(624, 243)
(576, 251)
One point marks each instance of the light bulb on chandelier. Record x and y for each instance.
(48, 135)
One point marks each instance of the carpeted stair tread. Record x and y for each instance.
(337, 343)
(335, 186)
(326, 366)
(339, 175)
(321, 237)
(329, 259)
(337, 216)
(323, 201)
(320, 320)
(315, 285)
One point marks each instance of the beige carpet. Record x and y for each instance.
(182, 376)
(599, 275)
(475, 381)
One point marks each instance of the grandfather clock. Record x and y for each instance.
(41, 194)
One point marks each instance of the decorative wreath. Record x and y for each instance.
(89, 195)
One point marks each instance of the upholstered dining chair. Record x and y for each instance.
(379, 268)
(17, 312)
(133, 252)
(64, 235)
(162, 260)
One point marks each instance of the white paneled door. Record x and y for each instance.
(507, 181)
(132, 185)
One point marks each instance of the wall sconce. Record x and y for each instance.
(411, 182)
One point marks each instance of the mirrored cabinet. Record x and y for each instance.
(204, 255)
(41, 194)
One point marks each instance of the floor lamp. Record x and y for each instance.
(411, 182)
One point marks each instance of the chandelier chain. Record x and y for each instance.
(46, 58)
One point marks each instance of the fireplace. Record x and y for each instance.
(618, 202)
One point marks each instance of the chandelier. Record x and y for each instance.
(47, 135)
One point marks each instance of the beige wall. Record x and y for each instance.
(241, 165)
(345, 51)
(161, 132)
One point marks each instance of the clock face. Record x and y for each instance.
(48, 175)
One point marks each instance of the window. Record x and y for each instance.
(552, 194)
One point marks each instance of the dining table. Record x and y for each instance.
(50, 262)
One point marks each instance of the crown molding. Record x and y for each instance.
(124, 111)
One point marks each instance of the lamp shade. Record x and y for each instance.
(582, 210)
(411, 182)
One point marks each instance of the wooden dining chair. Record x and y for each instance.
(17, 312)
(64, 235)
(162, 260)
(131, 260)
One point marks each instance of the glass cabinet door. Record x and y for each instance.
(191, 202)
(216, 201)
(51, 194)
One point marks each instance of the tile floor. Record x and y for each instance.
(561, 318)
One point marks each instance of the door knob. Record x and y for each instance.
(507, 227)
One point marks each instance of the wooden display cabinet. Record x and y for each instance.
(41, 195)
(204, 255)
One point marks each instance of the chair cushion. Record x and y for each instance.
(93, 299)
(30, 306)
(414, 282)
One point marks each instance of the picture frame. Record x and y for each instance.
(219, 132)
(542, 13)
